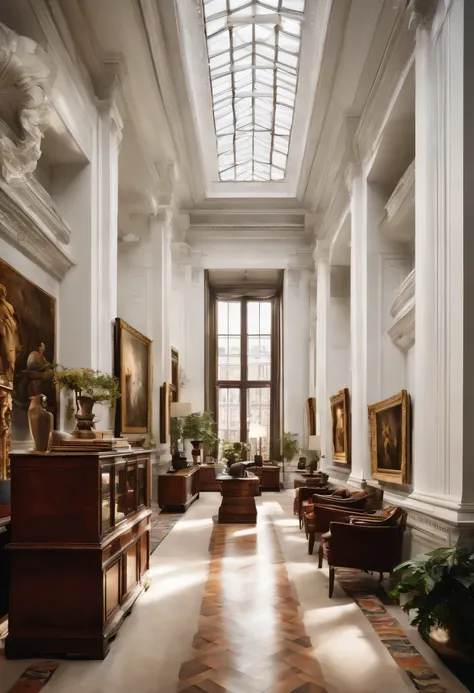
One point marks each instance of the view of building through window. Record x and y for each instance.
(244, 337)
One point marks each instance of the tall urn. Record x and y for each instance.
(41, 423)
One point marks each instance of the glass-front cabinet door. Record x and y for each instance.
(120, 497)
(106, 484)
(131, 487)
(142, 483)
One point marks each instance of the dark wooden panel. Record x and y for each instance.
(131, 568)
(112, 579)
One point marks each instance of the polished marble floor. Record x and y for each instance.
(239, 609)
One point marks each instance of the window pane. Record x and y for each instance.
(234, 318)
(229, 414)
(258, 358)
(222, 317)
(228, 342)
(258, 410)
(265, 317)
(253, 321)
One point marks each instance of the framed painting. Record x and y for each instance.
(341, 427)
(27, 346)
(165, 401)
(133, 369)
(311, 415)
(390, 438)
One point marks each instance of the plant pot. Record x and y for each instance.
(40, 422)
(196, 451)
(445, 645)
(85, 422)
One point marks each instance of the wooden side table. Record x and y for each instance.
(238, 500)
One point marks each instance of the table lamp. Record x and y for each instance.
(179, 410)
(258, 431)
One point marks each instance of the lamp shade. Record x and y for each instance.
(256, 430)
(179, 409)
(314, 443)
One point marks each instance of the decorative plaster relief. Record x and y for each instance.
(25, 225)
(402, 329)
(398, 222)
(23, 104)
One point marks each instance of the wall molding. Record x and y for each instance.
(30, 221)
(402, 329)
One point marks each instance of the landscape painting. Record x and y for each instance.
(390, 433)
(133, 368)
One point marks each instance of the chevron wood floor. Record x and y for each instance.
(250, 635)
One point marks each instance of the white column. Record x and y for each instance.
(160, 248)
(323, 296)
(444, 329)
(110, 136)
(360, 469)
(295, 352)
(312, 335)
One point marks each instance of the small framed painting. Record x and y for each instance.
(390, 438)
(133, 369)
(341, 427)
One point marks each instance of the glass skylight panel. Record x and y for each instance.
(254, 49)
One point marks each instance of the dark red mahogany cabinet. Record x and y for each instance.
(79, 551)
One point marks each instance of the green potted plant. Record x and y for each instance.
(231, 452)
(440, 588)
(289, 449)
(199, 427)
(89, 386)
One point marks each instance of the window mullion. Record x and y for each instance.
(243, 371)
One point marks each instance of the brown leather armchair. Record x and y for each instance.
(303, 497)
(323, 510)
(372, 543)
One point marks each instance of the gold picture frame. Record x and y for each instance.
(341, 426)
(165, 401)
(311, 415)
(133, 369)
(390, 438)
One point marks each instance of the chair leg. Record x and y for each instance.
(320, 555)
(311, 544)
(331, 580)
(380, 577)
(301, 521)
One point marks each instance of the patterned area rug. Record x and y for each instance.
(161, 525)
(250, 634)
(370, 597)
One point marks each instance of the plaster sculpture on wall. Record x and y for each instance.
(23, 104)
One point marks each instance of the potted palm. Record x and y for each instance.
(440, 589)
(289, 449)
(89, 387)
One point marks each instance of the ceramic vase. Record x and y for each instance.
(41, 423)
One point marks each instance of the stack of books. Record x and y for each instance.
(103, 441)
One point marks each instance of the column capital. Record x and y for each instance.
(422, 11)
(353, 171)
(321, 253)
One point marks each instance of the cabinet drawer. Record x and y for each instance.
(112, 591)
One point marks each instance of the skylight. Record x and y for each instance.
(253, 48)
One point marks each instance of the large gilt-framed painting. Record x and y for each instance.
(390, 438)
(311, 415)
(341, 426)
(27, 346)
(133, 369)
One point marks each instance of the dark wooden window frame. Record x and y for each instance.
(243, 385)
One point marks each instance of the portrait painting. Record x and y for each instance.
(27, 346)
(390, 433)
(133, 369)
(341, 425)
